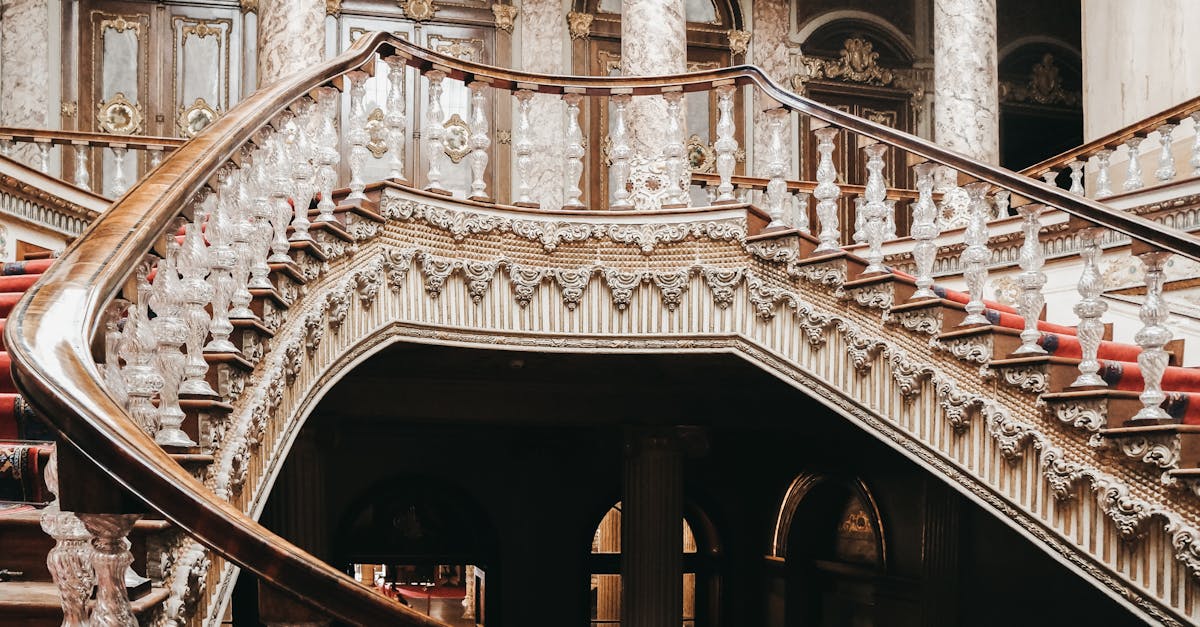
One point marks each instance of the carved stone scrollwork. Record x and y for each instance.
(436, 271)
(974, 348)
(1089, 415)
(579, 24)
(907, 374)
(927, 321)
(479, 275)
(722, 282)
(525, 281)
(396, 264)
(739, 41)
(622, 283)
(572, 283)
(764, 297)
(775, 250)
(1032, 379)
(505, 15)
(831, 273)
(814, 327)
(1128, 513)
(672, 285)
(1161, 450)
(877, 296)
(1010, 435)
(958, 406)
(862, 351)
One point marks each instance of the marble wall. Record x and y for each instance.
(1138, 58)
(543, 25)
(25, 67)
(966, 103)
(291, 37)
(769, 50)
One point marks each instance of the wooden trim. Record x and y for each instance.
(102, 140)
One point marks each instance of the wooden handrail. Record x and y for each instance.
(707, 179)
(100, 140)
(1115, 138)
(49, 332)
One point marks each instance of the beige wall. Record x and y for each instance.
(1138, 58)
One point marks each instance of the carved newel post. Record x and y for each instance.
(70, 561)
(111, 557)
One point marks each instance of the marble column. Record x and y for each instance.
(966, 108)
(652, 531)
(769, 50)
(291, 37)
(24, 68)
(653, 42)
(543, 39)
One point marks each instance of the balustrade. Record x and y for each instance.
(93, 158)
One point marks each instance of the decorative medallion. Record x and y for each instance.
(376, 134)
(457, 141)
(505, 14)
(503, 136)
(419, 10)
(739, 41)
(201, 29)
(857, 63)
(700, 156)
(194, 118)
(69, 109)
(119, 116)
(120, 24)
(580, 24)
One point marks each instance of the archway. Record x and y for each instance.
(1041, 103)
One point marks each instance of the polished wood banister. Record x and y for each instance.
(101, 140)
(1115, 138)
(758, 183)
(49, 331)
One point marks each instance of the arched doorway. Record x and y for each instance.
(1041, 104)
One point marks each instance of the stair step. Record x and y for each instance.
(38, 604)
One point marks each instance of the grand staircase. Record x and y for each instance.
(177, 347)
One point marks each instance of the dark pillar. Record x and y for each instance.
(652, 531)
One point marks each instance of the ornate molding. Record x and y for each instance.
(1044, 87)
(739, 41)
(418, 10)
(505, 15)
(579, 24)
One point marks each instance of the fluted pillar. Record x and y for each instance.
(651, 531)
(966, 110)
(291, 37)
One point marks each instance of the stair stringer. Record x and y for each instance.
(442, 274)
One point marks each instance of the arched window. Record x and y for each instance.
(700, 579)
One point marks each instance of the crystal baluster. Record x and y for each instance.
(301, 150)
(142, 378)
(1076, 177)
(166, 299)
(1031, 280)
(1195, 161)
(826, 192)
(889, 219)
(6, 147)
(435, 132)
(222, 261)
(120, 183)
(70, 561)
(574, 153)
(976, 255)
(1103, 178)
(524, 149)
(260, 218)
(395, 117)
(1133, 177)
(480, 140)
(1050, 177)
(924, 230)
(114, 338)
(777, 166)
(799, 220)
(619, 153)
(860, 221)
(1089, 309)
(875, 209)
(197, 295)
(1166, 160)
(1001, 199)
(83, 178)
(282, 190)
(673, 152)
(327, 152)
(242, 237)
(357, 136)
(156, 155)
(111, 558)
(44, 157)
(1152, 338)
(725, 145)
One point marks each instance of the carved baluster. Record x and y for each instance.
(70, 561)
(242, 231)
(282, 189)
(156, 155)
(6, 147)
(1001, 199)
(83, 178)
(395, 117)
(197, 295)
(480, 141)
(111, 558)
(826, 192)
(677, 171)
(860, 221)
(435, 132)
(874, 208)
(1050, 177)
(976, 255)
(1152, 338)
(44, 156)
(357, 136)
(114, 338)
(171, 333)
(120, 180)
(260, 217)
(1103, 179)
(222, 261)
(799, 203)
(524, 149)
(725, 145)
(1195, 161)
(327, 152)
(573, 153)
(1166, 160)
(1089, 309)
(300, 146)
(1031, 280)
(1133, 177)
(889, 220)
(142, 378)
(1077, 177)
(924, 230)
(777, 165)
(619, 153)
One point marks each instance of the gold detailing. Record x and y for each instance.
(333, 7)
(700, 156)
(377, 134)
(249, 6)
(120, 24)
(201, 29)
(457, 139)
(119, 116)
(419, 10)
(739, 41)
(858, 63)
(465, 48)
(610, 61)
(195, 118)
(1045, 87)
(69, 109)
(580, 24)
(504, 137)
(505, 14)
(884, 117)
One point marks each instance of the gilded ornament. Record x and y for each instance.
(333, 7)
(419, 10)
(457, 140)
(700, 156)
(1044, 87)
(120, 24)
(119, 116)
(503, 136)
(249, 6)
(858, 63)
(201, 29)
(377, 133)
(505, 14)
(195, 117)
(739, 41)
(69, 109)
(580, 24)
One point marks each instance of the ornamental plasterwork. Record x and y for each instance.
(1044, 87)
(739, 41)
(377, 133)
(505, 16)
(418, 10)
(119, 116)
(333, 7)
(195, 117)
(580, 25)
(120, 24)
(857, 63)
